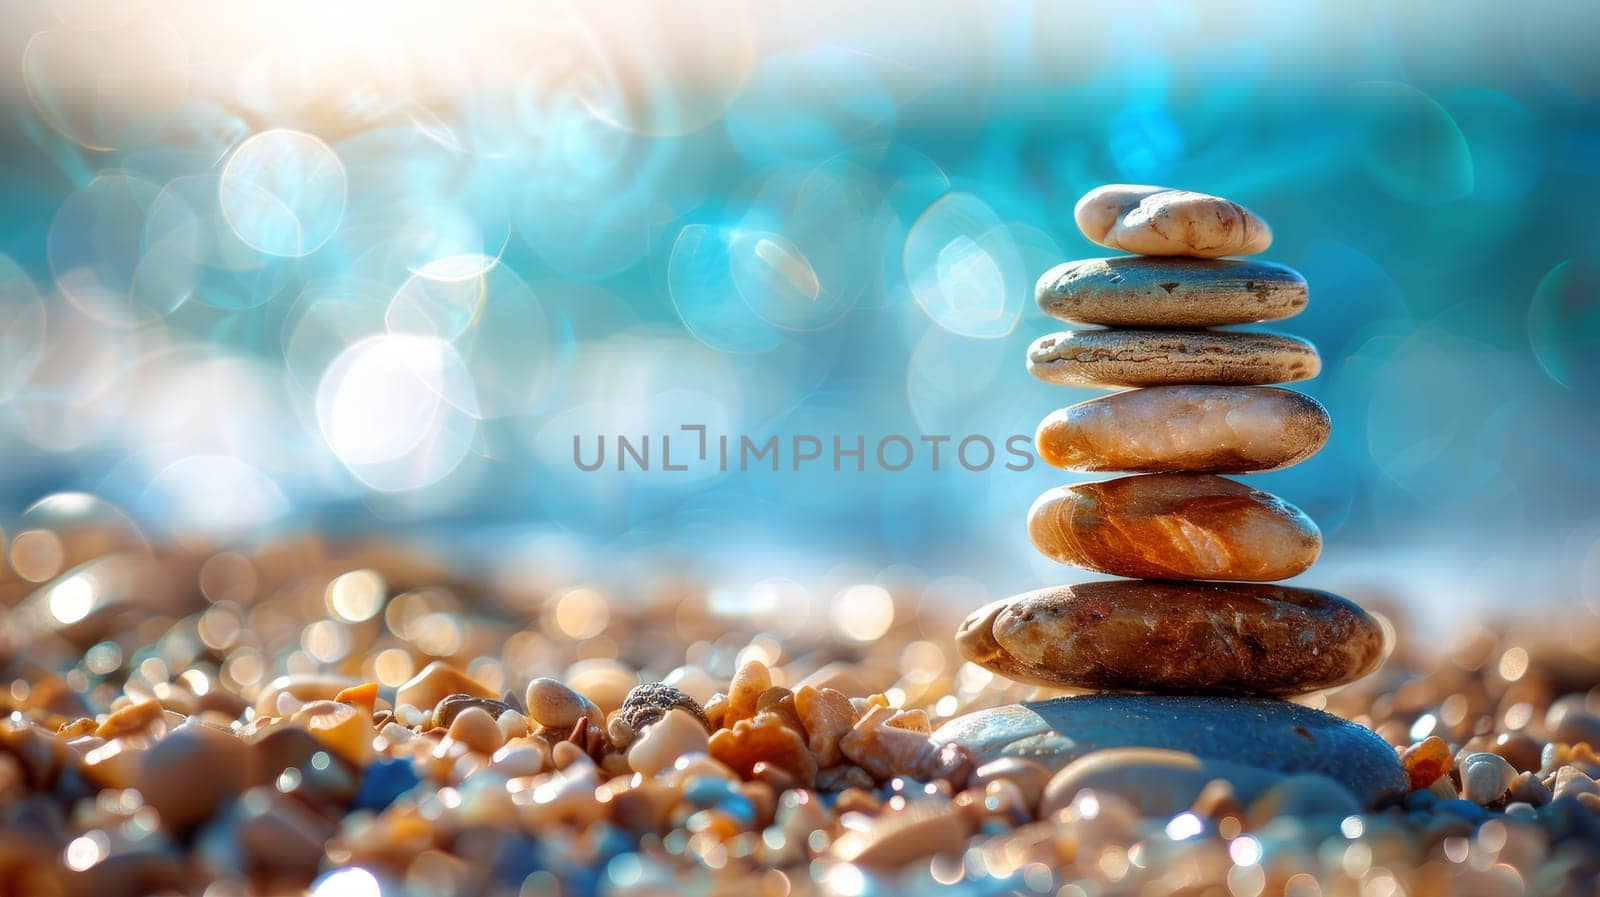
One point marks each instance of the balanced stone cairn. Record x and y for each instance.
(1198, 618)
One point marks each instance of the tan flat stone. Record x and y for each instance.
(1163, 221)
(1174, 526)
(1135, 291)
(1116, 358)
(1195, 429)
(1136, 635)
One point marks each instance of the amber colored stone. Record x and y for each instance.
(365, 695)
(1175, 526)
(1175, 636)
(435, 682)
(1426, 761)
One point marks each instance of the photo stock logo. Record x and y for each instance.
(694, 448)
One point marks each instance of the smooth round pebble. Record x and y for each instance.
(1156, 781)
(1174, 636)
(1118, 358)
(1426, 761)
(303, 688)
(477, 729)
(1260, 732)
(1174, 526)
(893, 840)
(1163, 221)
(1192, 429)
(192, 771)
(344, 729)
(662, 742)
(435, 682)
(1134, 291)
(555, 706)
(1302, 796)
(1486, 777)
(1029, 777)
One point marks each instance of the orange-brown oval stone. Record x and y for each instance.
(1176, 636)
(1199, 429)
(1175, 526)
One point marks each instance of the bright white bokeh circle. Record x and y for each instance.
(397, 411)
(283, 192)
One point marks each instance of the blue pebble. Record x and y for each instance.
(708, 791)
(385, 780)
(1567, 818)
(611, 842)
(739, 807)
(517, 858)
(1466, 809)
(1420, 800)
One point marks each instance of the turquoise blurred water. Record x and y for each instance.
(340, 273)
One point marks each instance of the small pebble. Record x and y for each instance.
(1426, 761)
(659, 746)
(435, 682)
(1157, 782)
(1485, 777)
(300, 689)
(1520, 810)
(1301, 797)
(445, 712)
(893, 840)
(191, 772)
(365, 694)
(137, 718)
(1164, 221)
(477, 729)
(826, 715)
(748, 683)
(345, 729)
(649, 702)
(1519, 750)
(555, 706)
(382, 781)
(1466, 809)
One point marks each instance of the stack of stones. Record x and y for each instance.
(1197, 617)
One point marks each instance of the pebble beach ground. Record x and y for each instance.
(356, 719)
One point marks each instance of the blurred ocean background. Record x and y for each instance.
(366, 267)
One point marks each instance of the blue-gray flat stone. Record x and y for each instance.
(1260, 732)
(1135, 291)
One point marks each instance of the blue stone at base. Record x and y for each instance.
(1264, 733)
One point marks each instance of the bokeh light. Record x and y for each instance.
(365, 265)
(283, 192)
